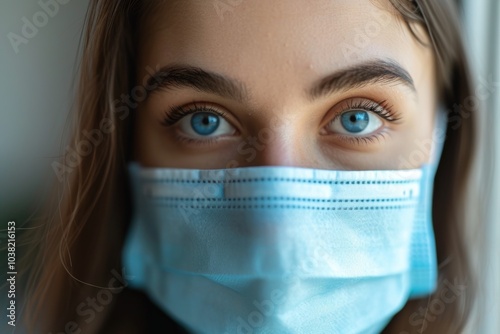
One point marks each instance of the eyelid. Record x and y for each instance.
(176, 113)
(382, 109)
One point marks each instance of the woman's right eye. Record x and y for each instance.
(199, 122)
(205, 124)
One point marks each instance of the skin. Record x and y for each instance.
(278, 50)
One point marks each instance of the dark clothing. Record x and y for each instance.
(134, 313)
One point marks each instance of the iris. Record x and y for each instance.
(355, 121)
(204, 123)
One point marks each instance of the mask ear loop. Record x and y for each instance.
(424, 267)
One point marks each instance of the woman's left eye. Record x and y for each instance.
(356, 123)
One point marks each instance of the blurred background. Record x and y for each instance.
(36, 85)
(36, 82)
(481, 21)
(36, 90)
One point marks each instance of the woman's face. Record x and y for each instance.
(328, 84)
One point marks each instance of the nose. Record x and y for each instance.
(280, 146)
(279, 152)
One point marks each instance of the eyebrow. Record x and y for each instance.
(385, 72)
(178, 76)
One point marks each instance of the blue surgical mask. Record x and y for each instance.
(281, 249)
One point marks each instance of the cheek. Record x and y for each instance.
(421, 136)
(417, 143)
(418, 149)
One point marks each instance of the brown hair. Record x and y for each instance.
(441, 19)
(82, 242)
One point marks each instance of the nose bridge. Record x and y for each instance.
(279, 152)
(274, 145)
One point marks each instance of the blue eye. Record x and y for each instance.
(204, 123)
(355, 123)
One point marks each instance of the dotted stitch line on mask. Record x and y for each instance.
(288, 207)
(368, 200)
(279, 180)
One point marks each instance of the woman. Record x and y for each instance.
(169, 89)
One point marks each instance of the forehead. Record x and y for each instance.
(293, 40)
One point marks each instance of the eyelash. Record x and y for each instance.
(175, 114)
(382, 109)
